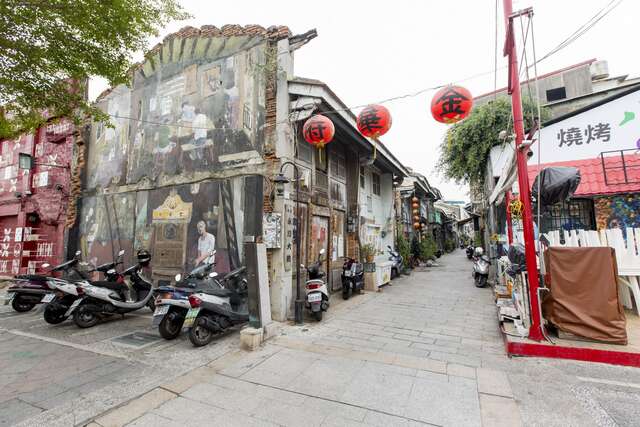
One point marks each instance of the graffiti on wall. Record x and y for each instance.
(618, 211)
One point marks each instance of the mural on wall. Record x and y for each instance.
(194, 114)
(180, 225)
(191, 115)
(618, 211)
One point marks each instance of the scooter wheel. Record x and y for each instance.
(86, 316)
(20, 306)
(317, 315)
(346, 293)
(199, 335)
(170, 326)
(53, 317)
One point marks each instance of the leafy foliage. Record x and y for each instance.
(48, 48)
(402, 245)
(466, 145)
(428, 248)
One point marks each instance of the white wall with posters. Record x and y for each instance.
(611, 126)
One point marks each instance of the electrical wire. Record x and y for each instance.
(573, 37)
(584, 28)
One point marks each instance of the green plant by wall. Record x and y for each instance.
(449, 245)
(403, 247)
(428, 248)
(477, 240)
(466, 145)
(415, 247)
(367, 250)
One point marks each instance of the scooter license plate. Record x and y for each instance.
(48, 298)
(159, 314)
(314, 297)
(190, 317)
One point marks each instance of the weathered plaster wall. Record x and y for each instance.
(188, 144)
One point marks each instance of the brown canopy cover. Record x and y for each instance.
(584, 293)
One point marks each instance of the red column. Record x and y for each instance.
(535, 332)
(507, 199)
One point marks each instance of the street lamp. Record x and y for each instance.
(280, 180)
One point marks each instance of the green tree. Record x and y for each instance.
(46, 44)
(403, 247)
(466, 145)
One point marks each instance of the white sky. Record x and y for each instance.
(367, 51)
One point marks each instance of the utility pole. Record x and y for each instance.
(535, 331)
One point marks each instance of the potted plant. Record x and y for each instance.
(368, 251)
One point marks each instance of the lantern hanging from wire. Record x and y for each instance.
(451, 104)
(318, 131)
(373, 122)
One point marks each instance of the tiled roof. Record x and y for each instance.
(592, 175)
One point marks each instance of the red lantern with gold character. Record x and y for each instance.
(374, 121)
(415, 205)
(415, 199)
(416, 225)
(451, 104)
(318, 130)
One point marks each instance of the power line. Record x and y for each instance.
(567, 41)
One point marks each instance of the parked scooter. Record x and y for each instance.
(352, 277)
(214, 311)
(470, 250)
(65, 292)
(317, 297)
(102, 299)
(396, 259)
(28, 290)
(172, 302)
(481, 264)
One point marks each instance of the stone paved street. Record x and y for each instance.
(424, 351)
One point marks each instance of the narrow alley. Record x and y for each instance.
(423, 351)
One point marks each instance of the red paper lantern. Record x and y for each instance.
(451, 104)
(318, 130)
(374, 121)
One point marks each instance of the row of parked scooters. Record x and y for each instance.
(201, 303)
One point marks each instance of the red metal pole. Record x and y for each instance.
(535, 333)
(507, 198)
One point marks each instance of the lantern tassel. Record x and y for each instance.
(375, 148)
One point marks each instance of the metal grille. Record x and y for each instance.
(621, 166)
(576, 214)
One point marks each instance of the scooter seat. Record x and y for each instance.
(105, 267)
(114, 286)
(234, 273)
(218, 292)
(36, 277)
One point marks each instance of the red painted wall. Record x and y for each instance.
(33, 203)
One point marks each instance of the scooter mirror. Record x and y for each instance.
(322, 251)
(78, 253)
(121, 252)
(46, 265)
(213, 252)
(213, 274)
(178, 277)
